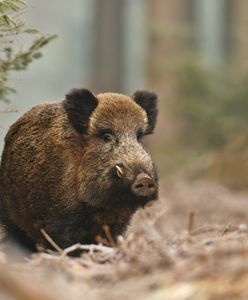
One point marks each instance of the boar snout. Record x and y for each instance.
(144, 186)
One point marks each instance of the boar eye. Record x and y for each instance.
(106, 135)
(139, 134)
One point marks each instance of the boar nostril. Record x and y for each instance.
(144, 185)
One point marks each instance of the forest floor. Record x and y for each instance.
(191, 244)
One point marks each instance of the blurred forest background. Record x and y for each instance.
(193, 53)
(193, 244)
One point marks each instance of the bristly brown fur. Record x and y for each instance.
(58, 169)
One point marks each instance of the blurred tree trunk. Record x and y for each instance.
(108, 46)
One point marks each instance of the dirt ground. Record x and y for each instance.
(191, 244)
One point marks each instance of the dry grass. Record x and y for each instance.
(193, 244)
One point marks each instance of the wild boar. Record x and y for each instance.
(73, 166)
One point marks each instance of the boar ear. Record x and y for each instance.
(148, 101)
(79, 104)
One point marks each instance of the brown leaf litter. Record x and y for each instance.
(193, 244)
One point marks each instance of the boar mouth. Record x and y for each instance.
(129, 188)
(121, 197)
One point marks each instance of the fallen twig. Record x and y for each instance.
(89, 248)
(51, 241)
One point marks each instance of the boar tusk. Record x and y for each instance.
(120, 172)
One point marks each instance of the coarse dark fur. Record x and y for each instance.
(58, 169)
